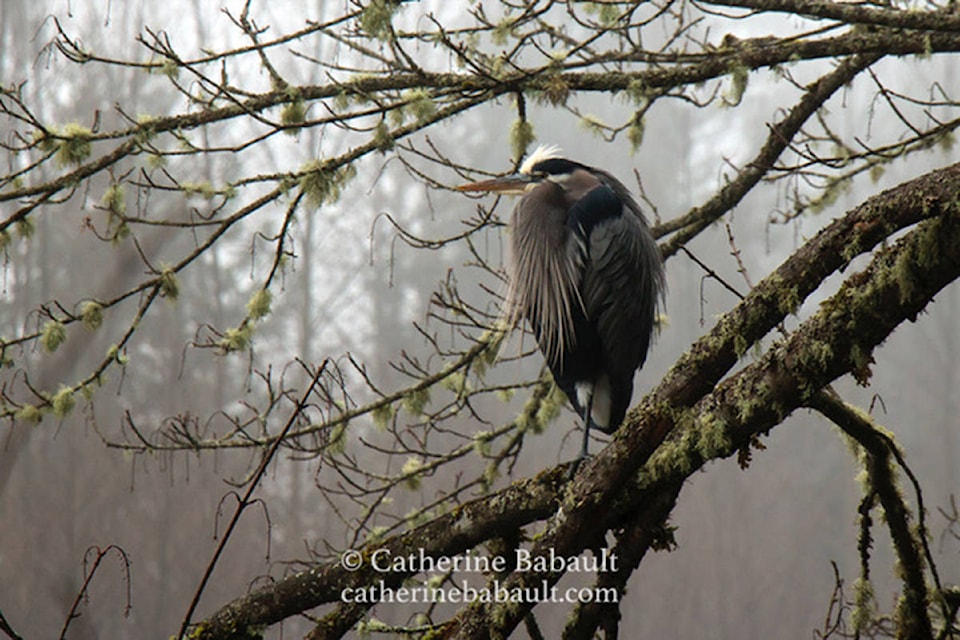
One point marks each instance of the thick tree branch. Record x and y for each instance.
(686, 69)
(512, 508)
(945, 19)
(643, 529)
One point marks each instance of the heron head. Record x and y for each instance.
(543, 164)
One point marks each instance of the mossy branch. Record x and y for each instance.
(881, 462)
(945, 19)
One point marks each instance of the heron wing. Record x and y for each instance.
(545, 271)
(621, 280)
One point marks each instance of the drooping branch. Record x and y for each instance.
(881, 477)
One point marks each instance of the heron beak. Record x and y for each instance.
(515, 183)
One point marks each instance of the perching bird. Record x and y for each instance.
(587, 275)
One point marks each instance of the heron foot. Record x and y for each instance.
(575, 464)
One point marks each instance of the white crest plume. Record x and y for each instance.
(541, 153)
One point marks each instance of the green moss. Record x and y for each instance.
(420, 103)
(170, 68)
(714, 441)
(554, 90)
(488, 355)
(637, 91)
(788, 300)
(739, 77)
(236, 339)
(523, 421)
(322, 185)
(903, 269)
(29, 414)
(92, 315)
(818, 354)
(25, 228)
(673, 456)
(121, 232)
(113, 353)
(928, 251)
(169, 284)
(851, 248)
(73, 144)
(490, 474)
(635, 132)
(203, 189)
(53, 335)
(114, 199)
(521, 135)
(382, 137)
(502, 32)
(258, 306)
(548, 409)
(740, 345)
(293, 115)
(416, 517)
(481, 443)
(415, 401)
(411, 473)
(365, 628)
(860, 361)
(63, 402)
(341, 101)
(864, 605)
(456, 382)
(695, 438)
(497, 68)
(337, 438)
(376, 17)
(382, 416)
(946, 141)
(609, 13)
(831, 192)
(5, 360)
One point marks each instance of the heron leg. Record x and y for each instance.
(585, 446)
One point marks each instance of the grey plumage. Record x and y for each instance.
(588, 276)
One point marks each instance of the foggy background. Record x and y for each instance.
(755, 546)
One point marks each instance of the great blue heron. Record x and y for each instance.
(587, 275)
